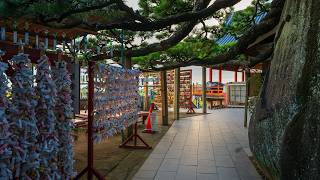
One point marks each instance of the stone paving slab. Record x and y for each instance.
(209, 147)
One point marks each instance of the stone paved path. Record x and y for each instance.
(209, 147)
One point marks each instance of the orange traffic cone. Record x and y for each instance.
(148, 128)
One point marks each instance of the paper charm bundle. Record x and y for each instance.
(48, 137)
(64, 113)
(25, 157)
(115, 100)
(5, 147)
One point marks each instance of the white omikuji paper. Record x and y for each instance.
(64, 115)
(48, 138)
(25, 161)
(115, 100)
(5, 140)
(35, 124)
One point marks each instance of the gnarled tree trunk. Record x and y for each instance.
(285, 127)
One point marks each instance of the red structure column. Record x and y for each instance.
(243, 76)
(90, 170)
(220, 75)
(236, 75)
(210, 74)
(90, 117)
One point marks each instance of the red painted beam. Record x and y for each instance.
(34, 54)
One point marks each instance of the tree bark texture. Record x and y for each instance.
(284, 131)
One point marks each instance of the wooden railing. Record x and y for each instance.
(211, 91)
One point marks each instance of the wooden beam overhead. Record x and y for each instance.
(41, 30)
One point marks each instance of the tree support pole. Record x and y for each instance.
(128, 65)
(176, 106)
(164, 97)
(204, 89)
(123, 136)
(146, 97)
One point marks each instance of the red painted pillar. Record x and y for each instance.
(210, 74)
(220, 75)
(243, 76)
(236, 75)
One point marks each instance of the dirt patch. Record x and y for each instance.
(118, 163)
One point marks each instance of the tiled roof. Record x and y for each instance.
(259, 18)
(228, 38)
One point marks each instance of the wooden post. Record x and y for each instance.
(15, 37)
(176, 102)
(85, 42)
(146, 97)
(164, 96)
(3, 33)
(128, 65)
(63, 41)
(55, 40)
(26, 33)
(122, 47)
(247, 98)
(75, 69)
(204, 89)
(46, 39)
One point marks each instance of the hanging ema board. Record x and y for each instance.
(115, 100)
(185, 100)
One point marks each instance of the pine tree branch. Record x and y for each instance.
(267, 24)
